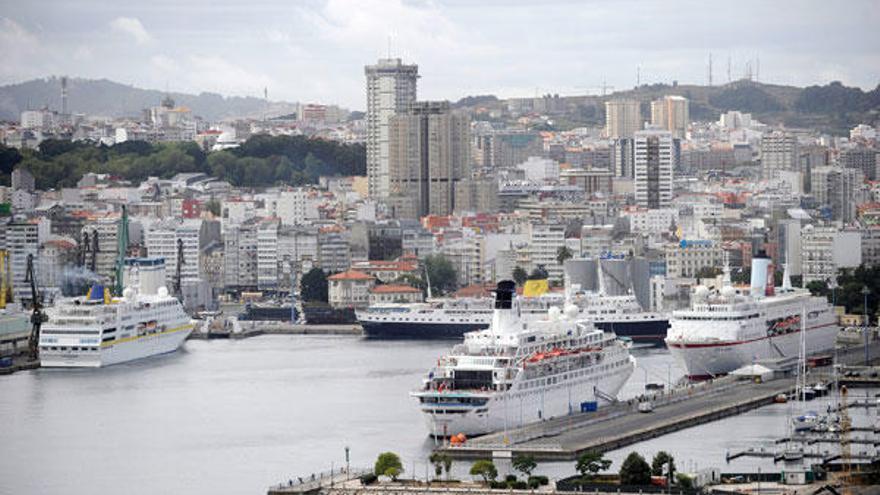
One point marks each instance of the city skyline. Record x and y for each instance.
(508, 48)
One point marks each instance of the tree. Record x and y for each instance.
(684, 481)
(635, 470)
(708, 272)
(520, 275)
(590, 463)
(539, 273)
(441, 274)
(485, 469)
(524, 464)
(441, 462)
(562, 254)
(214, 207)
(313, 286)
(663, 461)
(388, 464)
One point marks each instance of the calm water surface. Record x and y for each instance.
(237, 416)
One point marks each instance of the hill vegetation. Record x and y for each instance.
(111, 99)
(261, 161)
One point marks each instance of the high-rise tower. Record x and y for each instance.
(391, 88)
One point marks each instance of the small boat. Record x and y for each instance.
(646, 407)
(805, 422)
(780, 399)
(792, 455)
(820, 389)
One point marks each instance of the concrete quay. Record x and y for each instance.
(257, 328)
(621, 424)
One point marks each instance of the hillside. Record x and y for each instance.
(833, 108)
(111, 99)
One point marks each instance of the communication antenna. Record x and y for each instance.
(728, 68)
(638, 76)
(710, 69)
(757, 67)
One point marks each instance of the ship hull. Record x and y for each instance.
(520, 408)
(649, 331)
(708, 359)
(118, 352)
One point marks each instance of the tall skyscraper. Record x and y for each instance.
(622, 118)
(391, 88)
(429, 154)
(779, 151)
(654, 159)
(671, 113)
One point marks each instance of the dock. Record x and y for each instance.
(621, 424)
(257, 328)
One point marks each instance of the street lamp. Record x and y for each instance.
(865, 292)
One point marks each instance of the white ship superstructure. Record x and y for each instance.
(522, 370)
(732, 328)
(452, 318)
(99, 330)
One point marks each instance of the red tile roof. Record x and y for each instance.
(394, 289)
(350, 275)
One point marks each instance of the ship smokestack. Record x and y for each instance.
(761, 280)
(504, 319)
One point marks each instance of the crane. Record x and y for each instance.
(95, 247)
(5, 286)
(121, 249)
(180, 263)
(37, 315)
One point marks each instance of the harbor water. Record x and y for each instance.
(234, 417)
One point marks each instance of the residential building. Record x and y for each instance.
(686, 258)
(825, 250)
(654, 159)
(384, 294)
(429, 154)
(391, 88)
(622, 118)
(349, 289)
(671, 113)
(779, 151)
(267, 255)
(545, 240)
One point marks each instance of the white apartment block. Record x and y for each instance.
(467, 254)
(779, 151)
(654, 160)
(657, 221)
(296, 207)
(240, 255)
(543, 248)
(107, 230)
(23, 239)
(825, 250)
(391, 88)
(686, 258)
(267, 255)
(161, 239)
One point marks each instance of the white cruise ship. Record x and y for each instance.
(99, 330)
(522, 370)
(732, 328)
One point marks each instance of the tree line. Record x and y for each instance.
(260, 161)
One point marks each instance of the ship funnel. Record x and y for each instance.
(761, 277)
(504, 294)
(504, 319)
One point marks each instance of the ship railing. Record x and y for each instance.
(314, 481)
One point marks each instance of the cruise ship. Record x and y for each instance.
(734, 327)
(99, 330)
(452, 318)
(522, 370)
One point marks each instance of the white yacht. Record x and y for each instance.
(522, 370)
(100, 330)
(734, 327)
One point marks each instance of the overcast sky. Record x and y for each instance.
(315, 50)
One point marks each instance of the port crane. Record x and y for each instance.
(37, 314)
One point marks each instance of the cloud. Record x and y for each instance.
(131, 26)
(214, 73)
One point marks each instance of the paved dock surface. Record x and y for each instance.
(621, 424)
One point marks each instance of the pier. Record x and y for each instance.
(620, 424)
(257, 328)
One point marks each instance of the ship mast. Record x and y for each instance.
(121, 249)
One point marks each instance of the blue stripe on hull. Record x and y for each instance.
(647, 331)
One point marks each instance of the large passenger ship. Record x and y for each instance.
(731, 328)
(452, 318)
(522, 370)
(100, 330)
